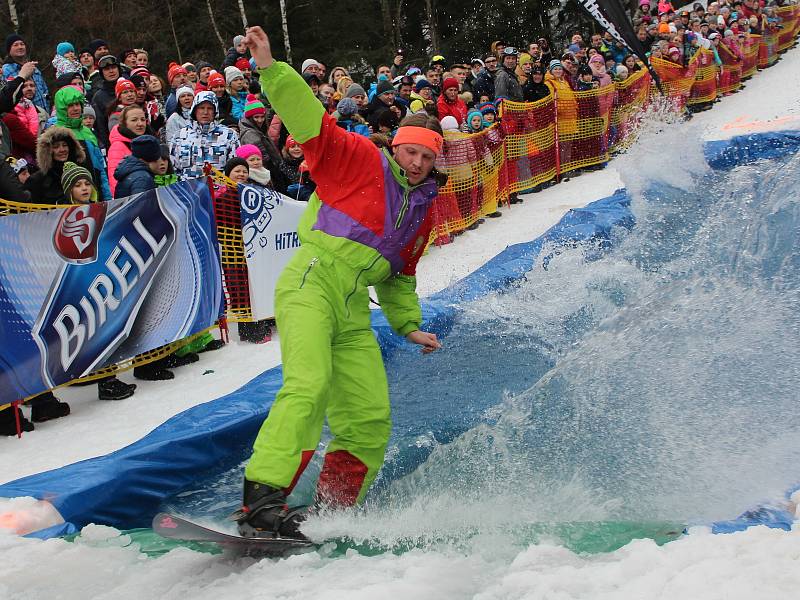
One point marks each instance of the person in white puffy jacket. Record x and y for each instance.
(180, 118)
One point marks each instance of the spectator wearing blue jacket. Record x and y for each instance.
(237, 87)
(136, 172)
(16, 56)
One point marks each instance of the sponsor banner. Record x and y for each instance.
(269, 232)
(612, 15)
(92, 285)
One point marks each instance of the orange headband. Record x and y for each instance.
(419, 135)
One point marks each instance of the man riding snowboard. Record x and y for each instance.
(367, 224)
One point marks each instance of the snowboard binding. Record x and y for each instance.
(265, 514)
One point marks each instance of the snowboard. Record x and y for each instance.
(177, 528)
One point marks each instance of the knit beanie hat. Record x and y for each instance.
(238, 39)
(235, 162)
(247, 151)
(64, 47)
(146, 147)
(554, 64)
(10, 39)
(384, 85)
(473, 113)
(487, 107)
(123, 85)
(174, 70)
(309, 62)
(242, 64)
(88, 111)
(232, 73)
(189, 67)
(201, 64)
(450, 82)
(421, 84)
(449, 123)
(184, 89)
(95, 44)
(347, 107)
(355, 90)
(65, 79)
(253, 107)
(142, 72)
(215, 79)
(70, 176)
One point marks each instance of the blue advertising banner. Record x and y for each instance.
(95, 284)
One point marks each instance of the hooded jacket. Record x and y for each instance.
(119, 148)
(45, 184)
(456, 109)
(72, 95)
(197, 144)
(23, 124)
(506, 85)
(364, 211)
(104, 97)
(133, 176)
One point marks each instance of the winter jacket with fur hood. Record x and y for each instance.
(45, 184)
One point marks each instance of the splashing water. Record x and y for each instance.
(599, 401)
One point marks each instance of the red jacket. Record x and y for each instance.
(455, 109)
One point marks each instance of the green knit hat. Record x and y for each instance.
(254, 107)
(71, 175)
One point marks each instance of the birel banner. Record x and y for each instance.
(91, 285)
(269, 232)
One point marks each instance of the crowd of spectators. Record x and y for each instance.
(107, 126)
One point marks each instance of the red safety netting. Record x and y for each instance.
(730, 79)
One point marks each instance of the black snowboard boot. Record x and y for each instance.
(173, 361)
(8, 422)
(45, 407)
(154, 371)
(264, 513)
(114, 389)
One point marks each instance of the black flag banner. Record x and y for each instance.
(612, 16)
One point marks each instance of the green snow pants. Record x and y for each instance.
(332, 366)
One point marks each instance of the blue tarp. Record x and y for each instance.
(124, 488)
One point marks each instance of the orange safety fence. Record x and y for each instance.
(704, 88)
(790, 17)
(529, 139)
(632, 96)
(730, 79)
(750, 51)
(768, 49)
(676, 80)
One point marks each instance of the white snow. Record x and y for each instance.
(759, 563)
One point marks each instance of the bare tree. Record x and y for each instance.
(285, 25)
(214, 25)
(242, 13)
(433, 29)
(12, 9)
(174, 34)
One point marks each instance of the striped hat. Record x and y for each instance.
(71, 175)
(254, 107)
